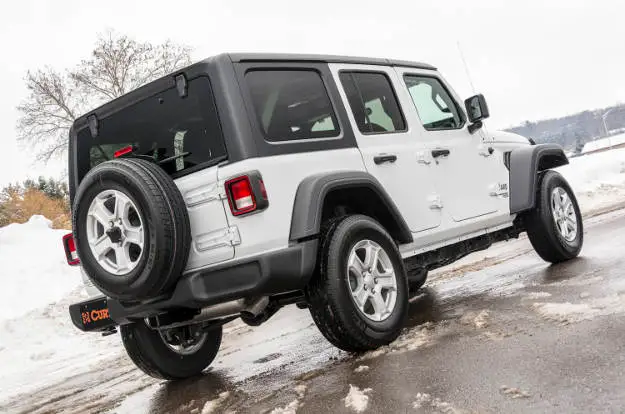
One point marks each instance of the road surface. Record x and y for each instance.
(500, 331)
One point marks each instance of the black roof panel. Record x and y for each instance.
(293, 57)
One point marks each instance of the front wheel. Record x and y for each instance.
(555, 226)
(173, 354)
(359, 299)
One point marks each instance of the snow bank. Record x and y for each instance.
(603, 143)
(33, 269)
(597, 179)
(38, 343)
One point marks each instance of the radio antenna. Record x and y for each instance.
(466, 67)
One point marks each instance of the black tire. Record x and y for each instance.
(542, 229)
(150, 353)
(167, 236)
(329, 296)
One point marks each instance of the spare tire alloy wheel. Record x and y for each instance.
(115, 232)
(131, 229)
(372, 280)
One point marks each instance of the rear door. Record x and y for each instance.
(390, 147)
(183, 135)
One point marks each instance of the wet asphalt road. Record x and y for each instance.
(503, 332)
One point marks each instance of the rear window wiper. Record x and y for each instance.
(175, 157)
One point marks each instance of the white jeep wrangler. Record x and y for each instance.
(244, 183)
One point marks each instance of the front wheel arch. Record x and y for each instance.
(525, 166)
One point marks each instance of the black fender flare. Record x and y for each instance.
(311, 194)
(525, 165)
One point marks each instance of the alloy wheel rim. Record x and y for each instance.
(187, 346)
(372, 280)
(563, 213)
(115, 232)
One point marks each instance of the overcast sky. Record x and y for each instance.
(531, 59)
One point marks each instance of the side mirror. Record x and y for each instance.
(477, 110)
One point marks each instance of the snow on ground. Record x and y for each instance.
(597, 179)
(293, 406)
(425, 400)
(361, 368)
(38, 342)
(604, 143)
(357, 399)
(33, 269)
(575, 312)
(212, 405)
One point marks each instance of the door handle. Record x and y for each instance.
(381, 159)
(440, 153)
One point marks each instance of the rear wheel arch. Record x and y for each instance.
(323, 196)
(526, 164)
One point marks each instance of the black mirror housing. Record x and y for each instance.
(477, 109)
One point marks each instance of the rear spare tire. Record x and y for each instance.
(131, 229)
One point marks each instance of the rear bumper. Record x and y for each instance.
(271, 273)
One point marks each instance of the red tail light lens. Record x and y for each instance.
(240, 195)
(70, 250)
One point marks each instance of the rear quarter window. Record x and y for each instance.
(182, 134)
(292, 104)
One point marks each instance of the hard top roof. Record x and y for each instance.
(168, 80)
(294, 57)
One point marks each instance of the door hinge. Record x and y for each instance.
(498, 190)
(435, 202)
(204, 195)
(226, 237)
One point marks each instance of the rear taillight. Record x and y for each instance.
(246, 194)
(240, 195)
(70, 250)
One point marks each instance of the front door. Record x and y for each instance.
(390, 146)
(471, 176)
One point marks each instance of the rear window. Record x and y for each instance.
(181, 134)
(292, 104)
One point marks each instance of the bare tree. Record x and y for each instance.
(118, 64)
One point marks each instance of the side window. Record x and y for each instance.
(292, 104)
(435, 106)
(373, 102)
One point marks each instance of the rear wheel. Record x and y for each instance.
(555, 226)
(172, 354)
(359, 300)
